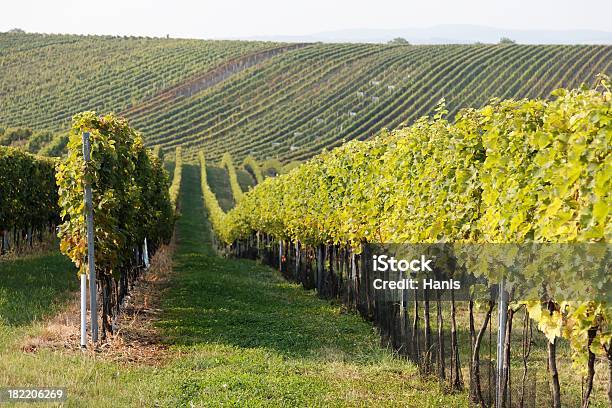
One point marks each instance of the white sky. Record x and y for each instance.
(230, 18)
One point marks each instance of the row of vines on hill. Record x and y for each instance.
(131, 205)
(127, 71)
(508, 173)
(252, 167)
(28, 197)
(365, 87)
(228, 163)
(177, 177)
(33, 142)
(215, 212)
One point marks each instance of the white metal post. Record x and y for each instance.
(145, 254)
(83, 310)
(93, 304)
(501, 335)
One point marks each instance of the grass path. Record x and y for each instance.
(239, 335)
(250, 337)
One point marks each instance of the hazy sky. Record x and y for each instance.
(231, 18)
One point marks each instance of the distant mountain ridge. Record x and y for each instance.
(451, 34)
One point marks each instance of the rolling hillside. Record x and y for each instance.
(44, 79)
(265, 99)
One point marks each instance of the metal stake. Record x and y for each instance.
(83, 310)
(93, 304)
(501, 335)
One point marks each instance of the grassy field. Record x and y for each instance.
(238, 335)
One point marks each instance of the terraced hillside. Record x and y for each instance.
(239, 97)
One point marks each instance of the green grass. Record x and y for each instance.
(32, 285)
(239, 335)
(32, 289)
